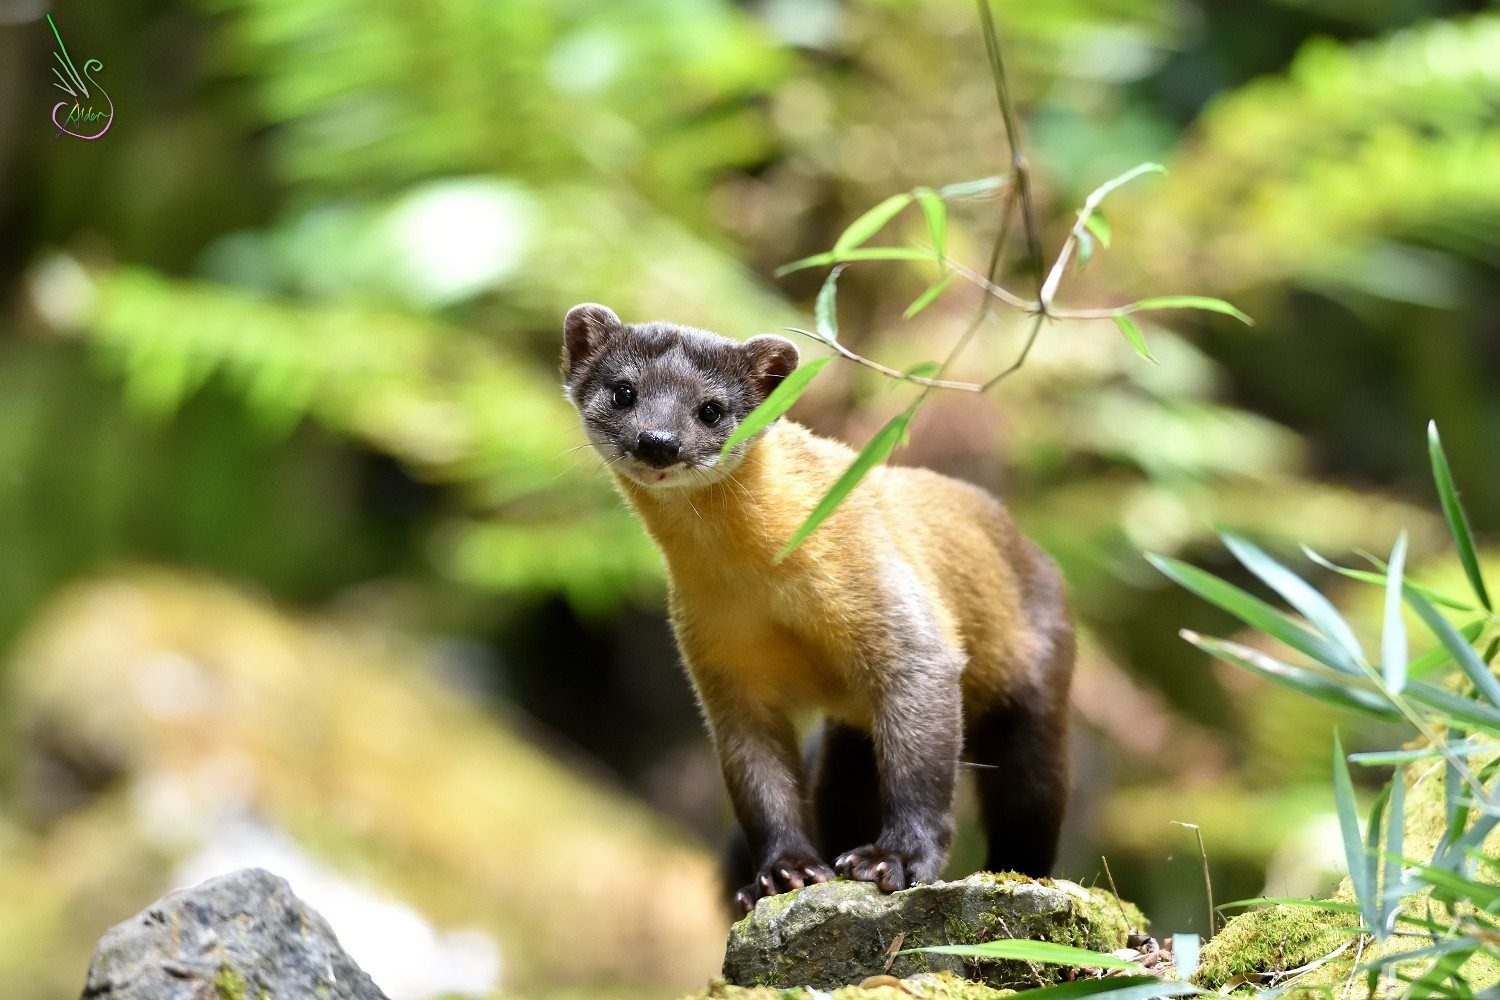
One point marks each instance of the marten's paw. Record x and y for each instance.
(890, 870)
(788, 872)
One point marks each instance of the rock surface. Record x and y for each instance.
(841, 933)
(242, 936)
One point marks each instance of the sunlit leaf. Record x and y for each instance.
(1134, 337)
(1256, 613)
(773, 406)
(1034, 951)
(1297, 592)
(825, 308)
(936, 214)
(929, 296)
(1361, 865)
(1379, 579)
(1097, 225)
(1329, 905)
(871, 222)
(1300, 679)
(1189, 302)
(926, 369)
(862, 253)
(874, 452)
(1458, 519)
(1463, 653)
(1393, 651)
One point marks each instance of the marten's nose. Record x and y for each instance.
(658, 448)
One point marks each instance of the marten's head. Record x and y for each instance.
(658, 401)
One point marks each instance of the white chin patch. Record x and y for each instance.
(672, 477)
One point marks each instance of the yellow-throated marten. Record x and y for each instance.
(918, 619)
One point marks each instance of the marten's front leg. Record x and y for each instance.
(757, 752)
(918, 729)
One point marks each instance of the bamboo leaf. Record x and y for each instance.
(862, 253)
(1463, 654)
(1467, 710)
(928, 297)
(1117, 988)
(1134, 337)
(1297, 678)
(974, 188)
(874, 452)
(1393, 650)
(1255, 613)
(1034, 951)
(1379, 579)
(1395, 827)
(1097, 225)
(1313, 606)
(936, 214)
(1188, 302)
(871, 222)
(1458, 519)
(1361, 864)
(825, 307)
(773, 406)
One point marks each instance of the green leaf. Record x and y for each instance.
(1085, 249)
(1468, 660)
(974, 188)
(1117, 988)
(773, 406)
(928, 297)
(874, 452)
(1379, 579)
(1189, 302)
(1297, 678)
(1097, 225)
(936, 214)
(1034, 951)
(1255, 613)
(1361, 864)
(1475, 713)
(1393, 651)
(825, 307)
(1134, 336)
(1330, 905)
(863, 253)
(1456, 887)
(1395, 828)
(925, 369)
(1313, 606)
(871, 222)
(1453, 510)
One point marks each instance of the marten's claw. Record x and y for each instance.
(782, 875)
(889, 870)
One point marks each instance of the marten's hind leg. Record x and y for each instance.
(1022, 781)
(845, 784)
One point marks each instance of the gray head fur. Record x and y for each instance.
(657, 400)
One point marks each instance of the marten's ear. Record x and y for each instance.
(772, 359)
(585, 330)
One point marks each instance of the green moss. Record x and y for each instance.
(230, 985)
(933, 986)
(1270, 940)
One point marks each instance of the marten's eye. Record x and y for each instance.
(624, 395)
(710, 413)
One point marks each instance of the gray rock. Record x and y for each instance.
(242, 936)
(839, 933)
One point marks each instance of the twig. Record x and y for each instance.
(1208, 885)
(1116, 890)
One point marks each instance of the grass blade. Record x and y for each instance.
(1395, 829)
(1458, 519)
(1393, 650)
(1255, 613)
(1467, 710)
(928, 297)
(871, 222)
(1203, 302)
(1034, 951)
(1463, 653)
(1379, 579)
(1361, 864)
(861, 253)
(1313, 606)
(1134, 337)
(1299, 679)
(773, 406)
(874, 452)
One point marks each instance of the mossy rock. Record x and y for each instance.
(841, 933)
(1268, 941)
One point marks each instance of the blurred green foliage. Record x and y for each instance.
(294, 319)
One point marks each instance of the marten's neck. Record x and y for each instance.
(734, 515)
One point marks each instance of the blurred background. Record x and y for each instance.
(299, 568)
